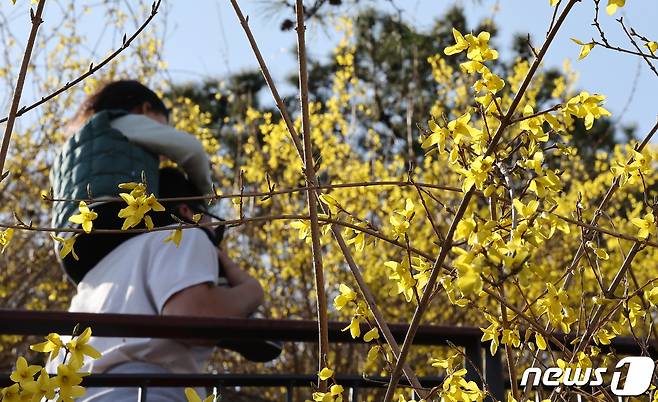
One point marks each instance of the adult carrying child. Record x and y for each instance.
(117, 136)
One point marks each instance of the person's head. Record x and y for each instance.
(128, 95)
(173, 183)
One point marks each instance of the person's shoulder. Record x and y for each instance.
(133, 119)
(188, 236)
(198, 235)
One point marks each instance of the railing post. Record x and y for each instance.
(473, 350)
(141, 393)
(354, 394)
(289, 392)
(217, 390)
(493, 374)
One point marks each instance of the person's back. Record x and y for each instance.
(118, 136)
(139, 277)
(146, 275)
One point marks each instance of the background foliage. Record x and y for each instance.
(375, 109)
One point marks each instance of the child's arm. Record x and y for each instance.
(162, 139)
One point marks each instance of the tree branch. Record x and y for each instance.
(413, 380)
(311, 196)
(18, 90)
(92, 67)
(447, 245)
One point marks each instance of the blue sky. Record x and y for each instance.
(603, 71)
(204, 39)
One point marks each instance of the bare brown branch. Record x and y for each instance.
(18, 90)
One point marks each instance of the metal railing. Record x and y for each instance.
(478, 360)
(20, 322)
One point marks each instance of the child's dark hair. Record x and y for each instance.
(174, 183)
(122, 94)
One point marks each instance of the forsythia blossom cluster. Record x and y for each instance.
(65, 385)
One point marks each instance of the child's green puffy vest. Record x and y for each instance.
(100, 157)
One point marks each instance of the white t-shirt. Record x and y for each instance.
(138, 277)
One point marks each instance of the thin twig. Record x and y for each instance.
(228, 222)
(568, 275)
(447, 245)
(383, 326)
(435, 227)
(597, 214)
(309, 172)
(18, 90)
(92, 67)
(508, 348)
(244, 22)
(596, 321)
(271, 193)
(596, 23)
(644, 55)
(537, 114)
(622, 50)
(418, 185)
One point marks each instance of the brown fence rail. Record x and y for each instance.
(21, 322)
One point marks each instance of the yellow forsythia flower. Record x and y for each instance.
(11, 393)
(24, 373)
(5, 238)
(370, 335)
(400, 219)
(176, 236)
(325, 373)
(85, 217)
(541, 342)
(68, 380)
(192, 396)
(354, 327)
(647, 225)
(67, 246)
(52, 345)
(78, 348)
(373, 353)
(585, 48)
(346, 295)
(613, 5)
(304, 228)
